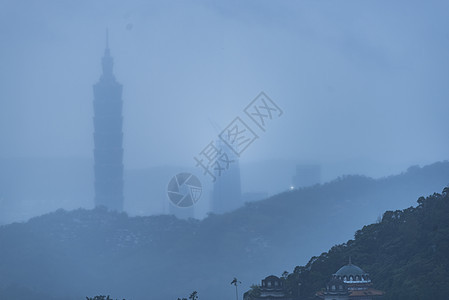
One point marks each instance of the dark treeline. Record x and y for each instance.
(406, 254)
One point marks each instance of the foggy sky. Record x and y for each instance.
(363, 85)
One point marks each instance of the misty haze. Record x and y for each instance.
(252, 150)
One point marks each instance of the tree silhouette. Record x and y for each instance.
(193, 295)
(101, 298)
(236, 282)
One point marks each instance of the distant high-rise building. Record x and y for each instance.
(181, 212)
(108, 136)
(306, 175)
(227, 191)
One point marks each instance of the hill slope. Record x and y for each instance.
(90, 252)
(406, 254)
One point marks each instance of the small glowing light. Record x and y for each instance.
(292, 187)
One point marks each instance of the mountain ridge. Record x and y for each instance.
(87, 252)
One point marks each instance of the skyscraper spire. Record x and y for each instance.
(107, 60)
(107, 38)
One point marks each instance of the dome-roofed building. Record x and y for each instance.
(352, 274)
(272, 288)
(350, 282)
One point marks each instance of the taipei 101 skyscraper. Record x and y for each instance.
(108, 137)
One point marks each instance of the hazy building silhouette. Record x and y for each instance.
(108, 136)
(181, 212)
(306, 175)
(227, 191)
(272, 288)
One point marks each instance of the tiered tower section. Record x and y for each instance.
(108, 138)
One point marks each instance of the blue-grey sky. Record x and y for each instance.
(361, 83)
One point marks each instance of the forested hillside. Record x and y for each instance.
(406, 254)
